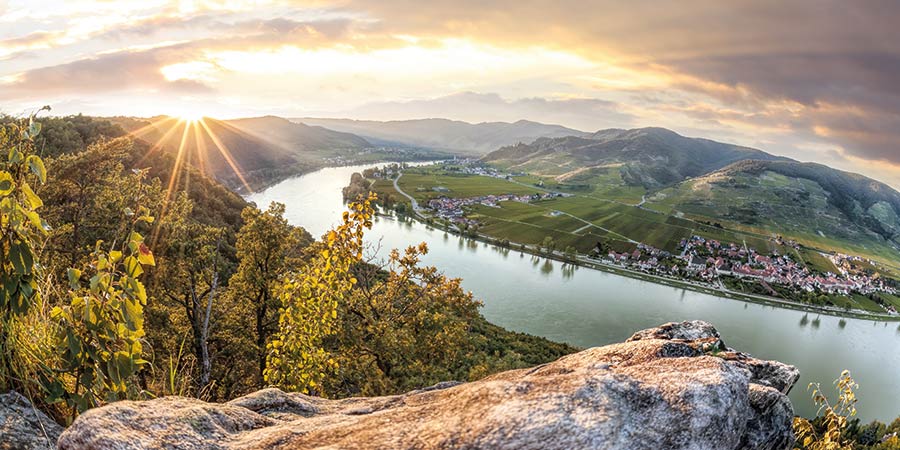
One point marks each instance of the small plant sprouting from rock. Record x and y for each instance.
(827, 431)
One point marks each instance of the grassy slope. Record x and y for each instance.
(771, 203)
(667, 217)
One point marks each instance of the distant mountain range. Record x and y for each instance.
(260, 149)
(442, 134)
(297, 136)
(677, 173)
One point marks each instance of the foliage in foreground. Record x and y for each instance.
(195, 316)
(101, 329)
(22, 232)
(835, 427)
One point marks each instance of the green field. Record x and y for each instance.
(422, 183)
(606, 211)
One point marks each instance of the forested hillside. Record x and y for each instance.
(249, 154)
(135, 276)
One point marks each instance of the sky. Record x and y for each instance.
(815, 80)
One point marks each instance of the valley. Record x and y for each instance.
(544, 295)
(530, 213)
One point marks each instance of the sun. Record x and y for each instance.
(190, 116)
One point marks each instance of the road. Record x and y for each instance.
(415, 204)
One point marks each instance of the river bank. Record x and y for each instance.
(594, 264)
(597, 264)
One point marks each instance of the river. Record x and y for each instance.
(588, 308)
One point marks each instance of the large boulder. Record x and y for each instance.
(24, 427)
(674, 387)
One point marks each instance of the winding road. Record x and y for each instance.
(415, 204)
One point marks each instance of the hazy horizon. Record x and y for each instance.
(814, 81)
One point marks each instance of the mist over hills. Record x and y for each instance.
(451, 135)
(298, 136)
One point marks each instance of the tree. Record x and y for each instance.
(101, 328)
(310, 296)
(189, 278)
(266, 246)
(21, 233)
(570, 253)
(549, 244)
(83, 197)
(405, 326)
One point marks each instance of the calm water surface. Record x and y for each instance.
(590, 308)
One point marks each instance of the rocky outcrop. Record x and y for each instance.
(24, 427)
(673, 387)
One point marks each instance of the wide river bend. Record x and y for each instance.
(588, 308)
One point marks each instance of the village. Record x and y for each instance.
(709, 260)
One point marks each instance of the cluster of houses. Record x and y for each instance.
(711, 258)
(708, 259)
(645, 257)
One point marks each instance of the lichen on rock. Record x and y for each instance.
(23, 426)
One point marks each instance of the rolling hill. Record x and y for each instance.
(648, 157)
(741, 188)
(253, 152)
(813, 202)
(443, 134)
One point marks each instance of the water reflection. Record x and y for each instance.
(568, 270)
(547, 268)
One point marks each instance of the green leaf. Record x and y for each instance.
(21, 258)
(6, 183)
(36, 164)
(73, 343)
(34, 129)
(15, 156)
(35, 220)
(34, 202)
(133, 267)
(74, 277)
(133, 314)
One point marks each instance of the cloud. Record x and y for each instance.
(126, 70)
(807, 75)
(746, 54)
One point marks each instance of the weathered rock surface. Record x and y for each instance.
(24, 427)
(672, 387)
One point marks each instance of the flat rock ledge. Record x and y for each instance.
(676, 386)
